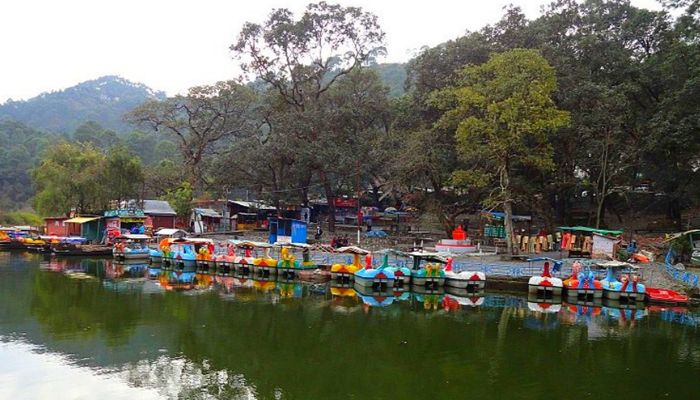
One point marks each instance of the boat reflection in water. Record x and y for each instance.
(176, 336)
(540, 313)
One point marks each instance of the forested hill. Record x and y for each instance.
(104, 100)
(393, 75)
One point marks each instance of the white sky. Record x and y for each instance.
(172, 45)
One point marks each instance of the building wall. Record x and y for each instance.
(603, 247)
(73, 230)
(163, 221)
(56, 227)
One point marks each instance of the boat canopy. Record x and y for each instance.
(199, 240)
(292, 244)
(135, 236)
(351, 250)
(425, 255)
(675, 236)
(171, 232)
(615, 264)
(249, 243)
(590, 230)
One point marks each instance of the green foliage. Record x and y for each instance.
(504, 114)
(93, 133)
(122, 173)
(67, 177)
(81, 177)
(163, 177)
(392, 75)
(20, 147)
(180, 199)
(311, 63)
(199, 121)
(18, 217)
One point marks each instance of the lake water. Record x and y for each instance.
(84, 329)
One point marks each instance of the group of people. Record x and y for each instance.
(340, 241)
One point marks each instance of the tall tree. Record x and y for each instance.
(200, 120)
(122, 174)
(68, 177)
(503, 113)
(302, 59)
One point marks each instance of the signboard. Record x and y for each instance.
(125, 212)
(112, 223)
(350, 203)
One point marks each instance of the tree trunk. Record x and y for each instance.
(508, 222)
(330, 198)
(674, 211)
(602, 186)
(507, 208)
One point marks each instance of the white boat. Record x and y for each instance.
(471, 280)
(545, 284)
(132, 247)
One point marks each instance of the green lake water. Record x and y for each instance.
(78, 328)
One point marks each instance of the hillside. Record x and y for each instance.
(103, 100)
(393, 75)
(20, 146)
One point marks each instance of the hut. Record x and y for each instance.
(91, 227)
(56, 226)
(159, 214)
(285, 230)
(580, 241)
(123, 220)
(205, 220)
(249, 214)
(604, 246)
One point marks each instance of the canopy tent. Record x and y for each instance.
(590, 230)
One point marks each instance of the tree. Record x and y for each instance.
(68, 177)
(200, 120)
(180, 199)
(94, 133)
(303, 59)
(503, 113)
(162, 178)
(20, 147)
(122, 174)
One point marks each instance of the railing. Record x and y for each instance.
(488, 268)
(684, 277)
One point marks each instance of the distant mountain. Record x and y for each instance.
(393, 75)
(104, 100)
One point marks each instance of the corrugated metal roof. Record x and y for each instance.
(207, 212)
(158, 207)
(252, 204)
(80, 220)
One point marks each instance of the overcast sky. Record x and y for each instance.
(175, 44)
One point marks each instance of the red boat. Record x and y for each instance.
(656, 295)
